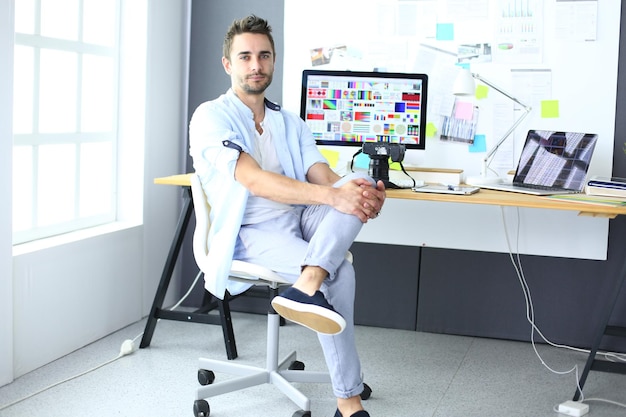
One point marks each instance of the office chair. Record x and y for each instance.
(280, 374)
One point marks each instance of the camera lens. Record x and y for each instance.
(379, 168)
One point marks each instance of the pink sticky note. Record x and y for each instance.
(463, 110)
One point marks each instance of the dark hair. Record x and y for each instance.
(249, 24)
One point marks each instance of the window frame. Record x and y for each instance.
(35, 139)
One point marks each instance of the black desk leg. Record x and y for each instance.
(604, 329)
(170, 263)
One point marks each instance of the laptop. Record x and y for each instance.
(551, 163)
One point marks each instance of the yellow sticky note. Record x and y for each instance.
(482, 91)
(549, 109)
(331, 156)
(431, 130)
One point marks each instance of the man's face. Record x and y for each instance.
(250, 64)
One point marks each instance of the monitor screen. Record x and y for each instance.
(349, 107)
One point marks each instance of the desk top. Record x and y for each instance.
(486, 197)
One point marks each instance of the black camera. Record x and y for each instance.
(380, 153)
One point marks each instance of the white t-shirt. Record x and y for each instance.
(261, 209)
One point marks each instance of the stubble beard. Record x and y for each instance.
(259, 89)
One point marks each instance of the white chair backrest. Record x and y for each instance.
(240, 271)
(201, 209)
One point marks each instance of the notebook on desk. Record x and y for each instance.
(551, 163)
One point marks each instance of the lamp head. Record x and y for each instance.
(464, 84)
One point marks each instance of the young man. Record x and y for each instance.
(276, 202)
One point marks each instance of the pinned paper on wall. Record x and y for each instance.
(331, 156)
(464, 110)
(461, 125)
(549, 109)
(576, 20)
(479, 145)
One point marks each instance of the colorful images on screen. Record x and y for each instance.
(351, 108)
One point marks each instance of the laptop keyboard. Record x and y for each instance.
(540, 187)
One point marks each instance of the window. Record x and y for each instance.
(65, 123)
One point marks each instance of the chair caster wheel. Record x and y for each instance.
(205, 377)
(302, 413)
(366, 393)
(296, 366)
(201, 408)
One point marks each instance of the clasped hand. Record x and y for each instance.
(361, 199)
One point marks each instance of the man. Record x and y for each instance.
(276, 202)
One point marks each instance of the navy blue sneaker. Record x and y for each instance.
(361, 413)
(309, 311)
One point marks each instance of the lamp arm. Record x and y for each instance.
(508, 133)
(526, 109)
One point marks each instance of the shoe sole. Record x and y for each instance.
(319, 319)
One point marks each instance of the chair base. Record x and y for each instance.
(280, 374)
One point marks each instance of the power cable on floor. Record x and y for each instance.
(128, 347)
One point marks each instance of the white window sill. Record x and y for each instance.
(72, 237)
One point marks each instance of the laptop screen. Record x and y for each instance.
(555, 159)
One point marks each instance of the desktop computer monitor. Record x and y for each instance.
(349, 108)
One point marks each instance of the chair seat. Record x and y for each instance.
(255, 274)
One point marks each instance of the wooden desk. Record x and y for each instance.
(497, 198)
(486, 197)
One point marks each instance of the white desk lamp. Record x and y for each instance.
(465, 86)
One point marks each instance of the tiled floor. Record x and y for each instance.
(412, 374)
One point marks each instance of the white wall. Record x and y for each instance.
(69, 295)
(6, 143)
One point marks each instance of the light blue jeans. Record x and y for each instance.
(317, 236)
